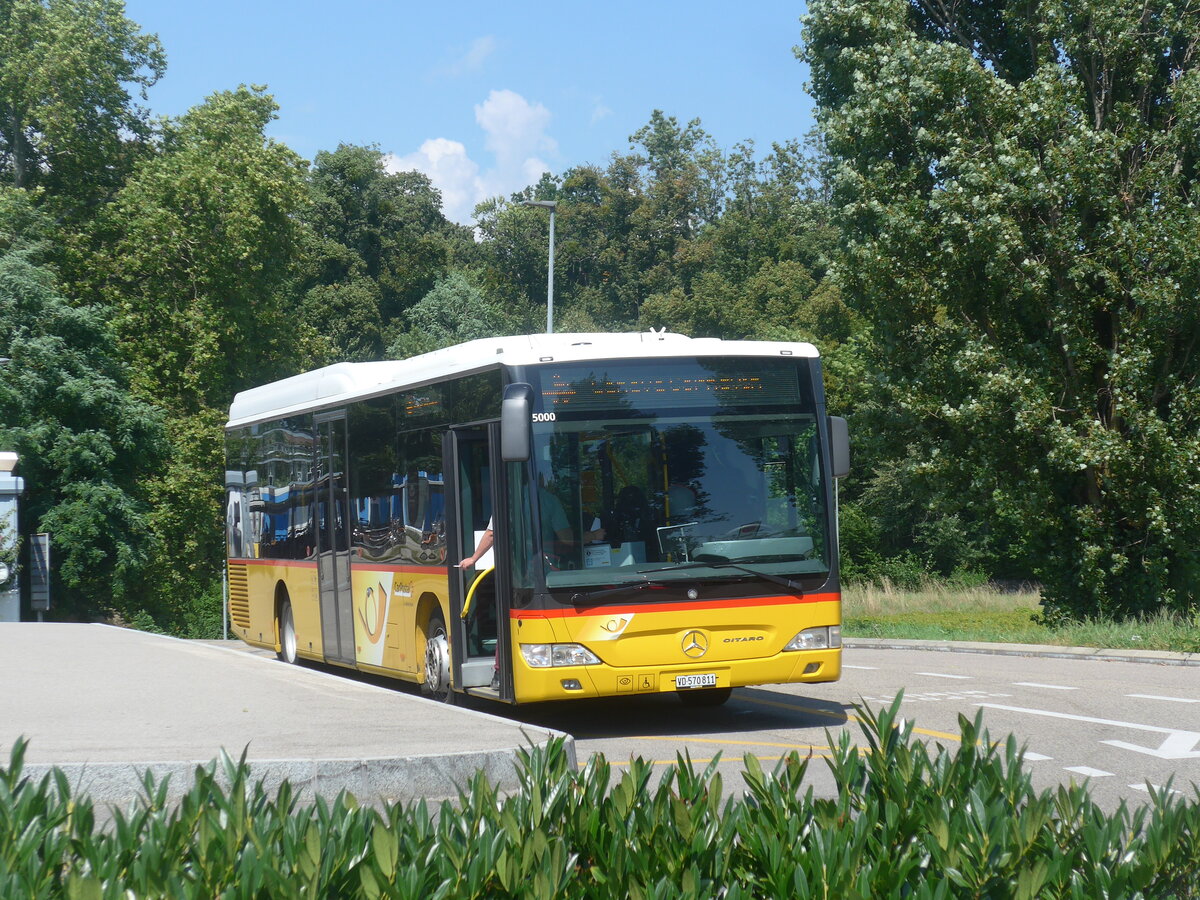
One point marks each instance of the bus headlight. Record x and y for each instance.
(823, 638)
(543, 656)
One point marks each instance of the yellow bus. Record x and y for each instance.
(661, 512)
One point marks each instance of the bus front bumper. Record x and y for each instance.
(566, 682)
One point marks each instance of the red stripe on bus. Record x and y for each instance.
(286, 563)
(741, 603)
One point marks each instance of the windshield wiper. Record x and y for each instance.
(589, 596)
(774, 579)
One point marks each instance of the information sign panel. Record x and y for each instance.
(39, 572)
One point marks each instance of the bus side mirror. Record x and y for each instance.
(516, 416)
(839, 447)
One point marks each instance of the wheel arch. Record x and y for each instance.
(281, 596)
(426, 607)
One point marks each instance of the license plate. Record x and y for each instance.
(709, 679)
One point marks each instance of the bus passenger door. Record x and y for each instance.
(333, 538)
(479, 641)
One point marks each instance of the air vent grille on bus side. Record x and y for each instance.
(239, 595)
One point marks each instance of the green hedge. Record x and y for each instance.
(909, 821)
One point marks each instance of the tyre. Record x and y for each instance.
(437, 660)
(705, 696)
(287, 634)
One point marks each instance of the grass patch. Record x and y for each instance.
(955, 612)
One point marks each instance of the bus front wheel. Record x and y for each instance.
(287, 633)
(705, 696)
(437, 660)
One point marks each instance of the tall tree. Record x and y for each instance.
(197, 265)
(66, 114)
(200, 247)
(453, 312)
(622, 233)
(1017, 184)
(84, 442)
(380, 237)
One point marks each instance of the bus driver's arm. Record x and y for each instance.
(485, 544)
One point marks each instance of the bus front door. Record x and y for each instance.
(333, 539)
(479, 640)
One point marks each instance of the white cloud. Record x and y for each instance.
(514, 126)
(472, 60)
(514, 134)
(452, 172)
(600, 112)
(481, 49)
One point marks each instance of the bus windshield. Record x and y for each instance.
(679, 468)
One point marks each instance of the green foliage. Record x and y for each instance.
(67, 121)
(907, 821)
(196, 259)
(991, 242)
(187, 518)
(377, 244)
(346, 315)
(199, 245)
(390, 222)
(1015, 189)
(453, 312)
(82, 438)
(675, 234)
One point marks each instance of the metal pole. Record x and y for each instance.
(225, 602)
(550, 281)
(550, 205)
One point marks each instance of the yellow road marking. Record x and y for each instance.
(705, 762)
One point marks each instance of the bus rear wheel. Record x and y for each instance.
(705, 696)
(437, 661)
(287, 634)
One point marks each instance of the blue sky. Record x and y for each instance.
(484, 96)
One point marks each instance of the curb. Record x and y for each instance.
(1153, 657)
(433, 778)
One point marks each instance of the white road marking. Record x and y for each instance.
(864, 668)
(932, 696)
(1145, 789)
(1168, 699)
(940, 675)
(1049, 687)
(1036, 757)
(1088, 771)
(1178, 744)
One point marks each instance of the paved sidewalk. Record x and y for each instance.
(107, 704)
(1155, 657)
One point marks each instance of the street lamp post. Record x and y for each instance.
(550, 205)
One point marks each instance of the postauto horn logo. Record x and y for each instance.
(695, 644)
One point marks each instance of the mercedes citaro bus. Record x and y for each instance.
(645, 513)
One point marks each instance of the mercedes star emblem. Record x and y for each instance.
(695, 644)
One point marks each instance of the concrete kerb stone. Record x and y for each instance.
(1154, 657)
(433, 778)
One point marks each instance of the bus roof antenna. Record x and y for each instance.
(659, 333)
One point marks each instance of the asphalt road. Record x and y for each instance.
(1118, 725)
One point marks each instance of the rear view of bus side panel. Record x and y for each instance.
(269, 532)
